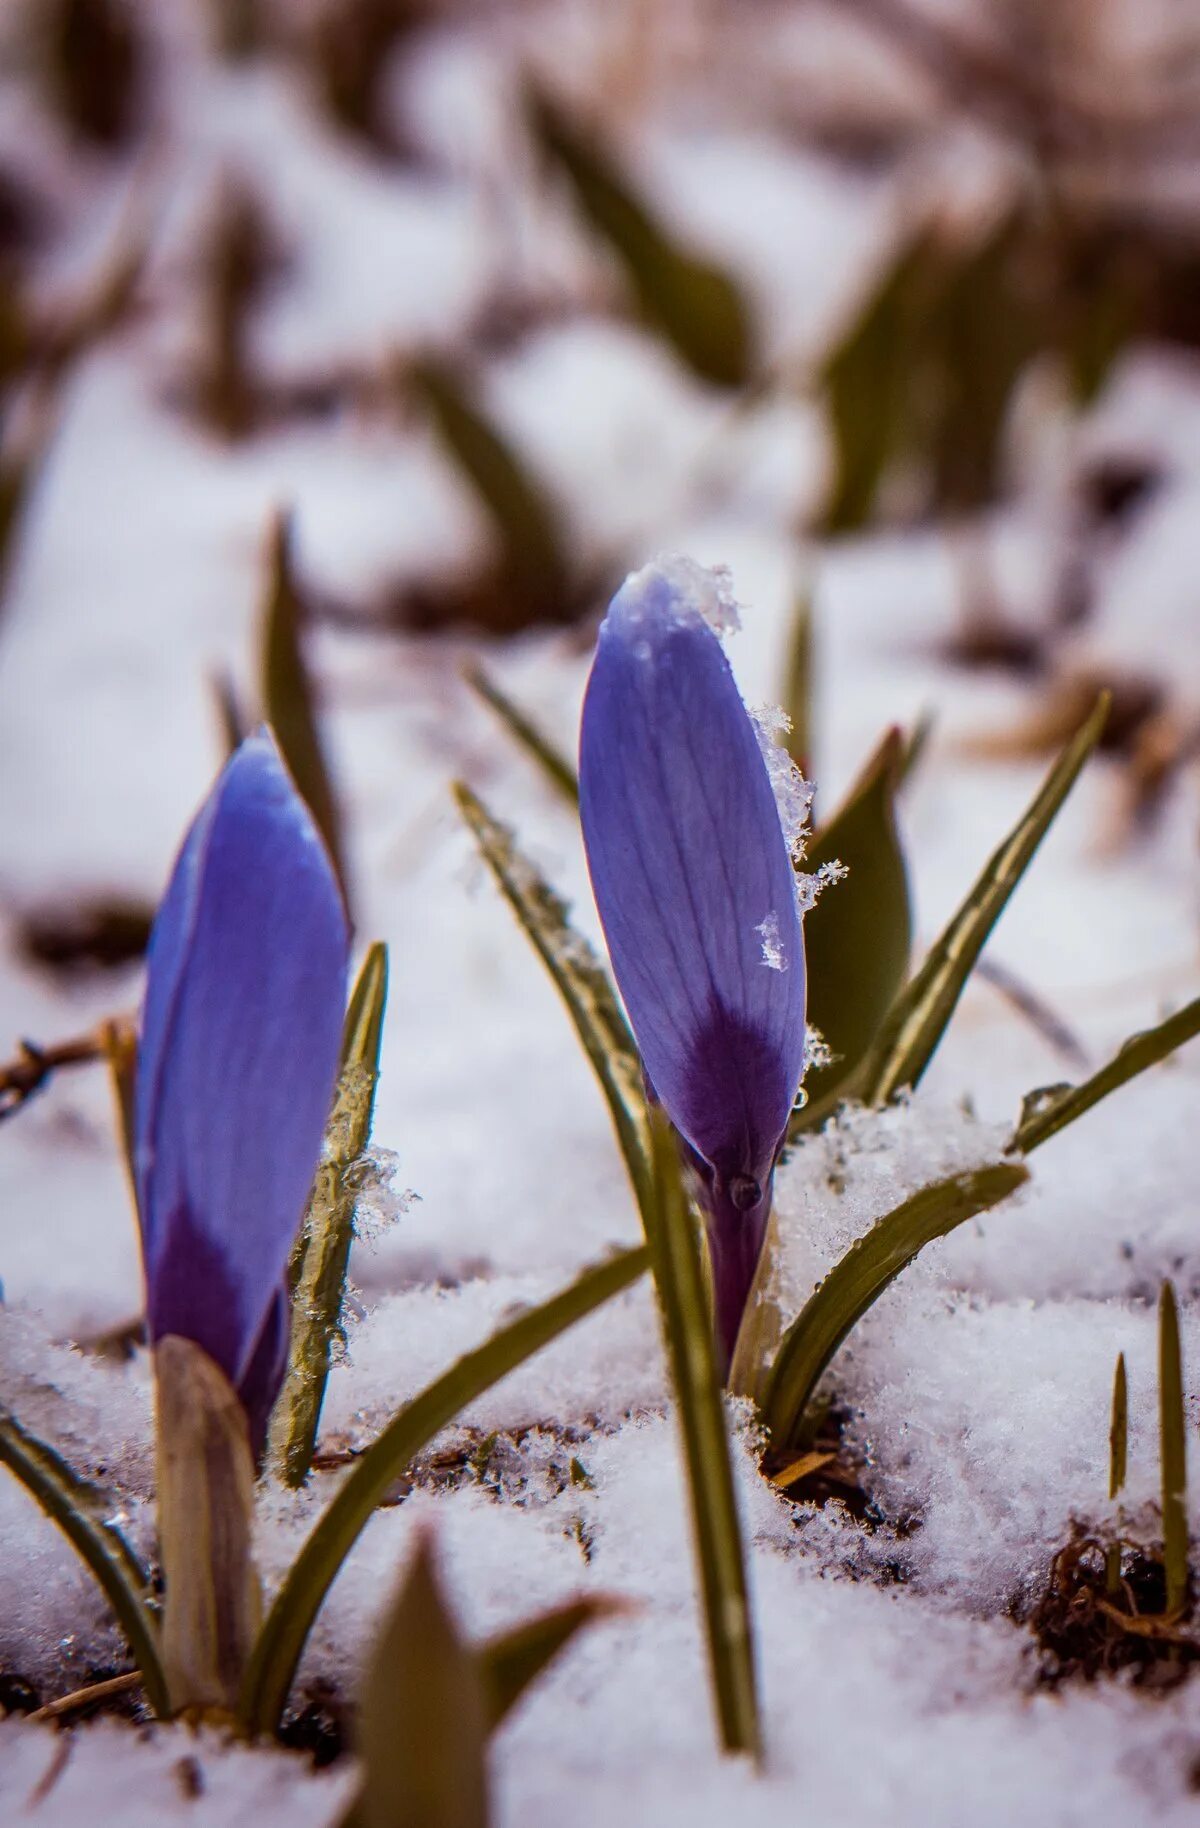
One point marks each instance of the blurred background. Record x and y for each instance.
(408, 326)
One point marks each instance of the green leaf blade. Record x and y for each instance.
(1173, 1451)
(694, 304)
(269, 1677)
(858, 935)
(1051, 1109)
(1118, 1433)
(536, 744)
(687, 1325)
(288, 697)
(915, 1025)
(532, 546)
(321, 1255)
(76, 1506)
(580, 979)
(857, 1281)
(511, 1661)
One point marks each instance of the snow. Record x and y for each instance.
(896, 1685)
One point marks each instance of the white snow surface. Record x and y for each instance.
(896, 1686)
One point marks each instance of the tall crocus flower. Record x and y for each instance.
(240, 1036)
(694, 883)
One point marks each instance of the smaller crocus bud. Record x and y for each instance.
(696, 892)
(241, 1029)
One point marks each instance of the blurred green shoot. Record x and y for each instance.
(231, 724)
(288, 694)
(422, 1715)
(321, 1255)
(237, 257)
(350, 45)
(96, 67)
(533, 568)
(1173, 1451)
(285, 1631)
(1118, 1455)
(695, 305)
(511, 1660)
(799, 691)
(536, 744)
(430, 1701)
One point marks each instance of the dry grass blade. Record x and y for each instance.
(918, 1018)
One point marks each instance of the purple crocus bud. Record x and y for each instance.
(694, 883)
(241, 1031)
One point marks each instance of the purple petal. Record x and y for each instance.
(695, 889)
(261, 1381)
(240, 1038)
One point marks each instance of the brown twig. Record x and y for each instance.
(84, 1697)
(30, 1068)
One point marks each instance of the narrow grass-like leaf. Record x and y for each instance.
(857, 1281)
(230, 721)
(288, 697)
(918, 1018)
(581, 980)
(687, 1325)
(422, 1719)
(119, 1040)
(269, 1677)
(799, 694)
(865, 380)
(527, 526)
(1118, 1434)
(695, 305)
(916, 743)
(511, 1660)
(77, 1507)
(322, 1250)
(553, 764)
(1118, 1454)
(1047, 1111)
(1173, 1451)
(857, 937)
